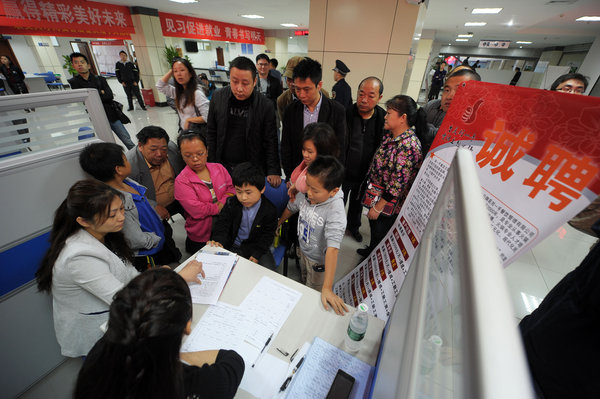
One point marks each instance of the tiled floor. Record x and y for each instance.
(529, 278)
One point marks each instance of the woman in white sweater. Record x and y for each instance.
(87, 263)
(190, 101)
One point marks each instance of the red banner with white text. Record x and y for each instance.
(195, 28)
(77, 18)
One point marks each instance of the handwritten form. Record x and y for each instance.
(245, 329)
(217, 269)
(320, 367)
(270, 303)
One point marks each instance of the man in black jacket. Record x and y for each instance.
(311, 107)
(129, 76)
(268, 85)
(241, 124)
(87, 80)
(365, 120)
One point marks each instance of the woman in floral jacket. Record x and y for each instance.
(394, 166)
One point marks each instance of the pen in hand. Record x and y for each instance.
(287, 380)
(263, 349)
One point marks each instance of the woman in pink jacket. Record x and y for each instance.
(201, 188)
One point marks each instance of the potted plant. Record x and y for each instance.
(68, 65)
(171, 52)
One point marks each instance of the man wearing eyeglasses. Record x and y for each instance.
(574, 83)
(268, 85)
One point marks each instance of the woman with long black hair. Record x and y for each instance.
(190, 101)
(139, 357)
(87, 263)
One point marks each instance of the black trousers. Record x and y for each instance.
(133, 90)
(379, 228)
(18, 87)
(434, 91)
(352, 195)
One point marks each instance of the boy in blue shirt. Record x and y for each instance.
(321, 226)
(143, 229)
(246, 225)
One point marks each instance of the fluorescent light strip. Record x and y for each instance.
(591, 18)
(475, 23)
(184, 1)
(486, 10)
(521, 42)
(462, 40)
(466, 35)
(252, 16)
(289, 25)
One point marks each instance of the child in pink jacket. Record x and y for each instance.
(201, 188)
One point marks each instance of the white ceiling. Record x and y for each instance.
(275, 12)
(544, 22)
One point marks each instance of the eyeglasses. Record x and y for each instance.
(196, 155)
(262, 64)
(571, 89)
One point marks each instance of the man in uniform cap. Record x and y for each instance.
(341, 91)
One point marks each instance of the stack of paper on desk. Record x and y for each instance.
(246, 329)
(320, 367)
(217, 269)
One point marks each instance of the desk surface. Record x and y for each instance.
(307, 320)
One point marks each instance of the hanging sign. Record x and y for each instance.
(195, 28)
(77, 18)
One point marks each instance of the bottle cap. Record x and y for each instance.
(435, 340)
(363, 308)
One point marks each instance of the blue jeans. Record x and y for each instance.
(122, 133)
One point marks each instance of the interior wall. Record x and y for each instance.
(208, 58)
(24, 54)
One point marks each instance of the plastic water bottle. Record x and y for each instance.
(357, 328)
(430, 353)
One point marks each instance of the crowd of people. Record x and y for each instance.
(111, 234)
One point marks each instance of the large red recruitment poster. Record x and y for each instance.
(538, 156)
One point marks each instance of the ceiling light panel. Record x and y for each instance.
(475, 23)
(251, 16)
(486, 10)
(466, 35)
(289, 25)
(591, 18)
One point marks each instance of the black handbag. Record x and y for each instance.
(118, 108)
(201, 127)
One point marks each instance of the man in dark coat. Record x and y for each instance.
(341, 91)
(268, 85)
(311, 107)
(241, 124)
(515, 79)
(87, 80)
(365, 120)
(129, 76)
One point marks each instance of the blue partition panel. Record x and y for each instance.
(19, 264)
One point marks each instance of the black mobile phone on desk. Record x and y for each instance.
(341, 386)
